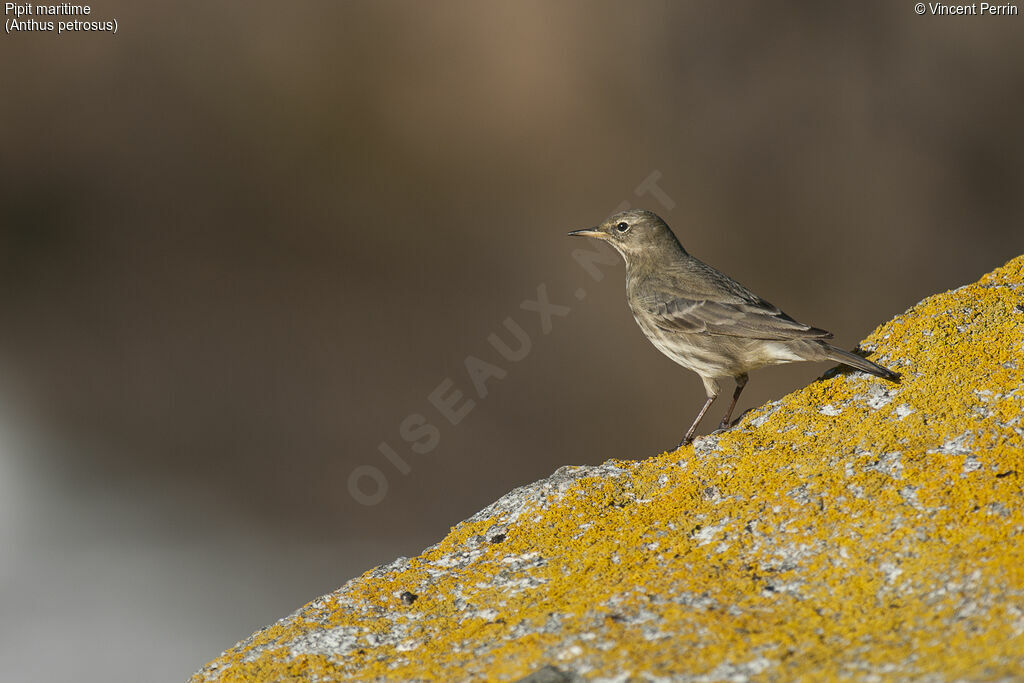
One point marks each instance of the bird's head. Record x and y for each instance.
(633, 233)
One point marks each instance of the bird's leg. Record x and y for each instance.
(711, 386)
(689, 432)
(741, 382)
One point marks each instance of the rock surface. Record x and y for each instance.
(854, 528)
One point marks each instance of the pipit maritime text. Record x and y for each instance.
(61, 18)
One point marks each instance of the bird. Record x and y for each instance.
(703, 319)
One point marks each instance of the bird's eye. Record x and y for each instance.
(622, 227)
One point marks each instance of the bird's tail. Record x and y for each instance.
(855, 361)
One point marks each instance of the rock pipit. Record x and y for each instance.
(703, 319)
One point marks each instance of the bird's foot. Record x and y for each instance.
(729, 424)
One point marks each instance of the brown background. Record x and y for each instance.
(241, 242)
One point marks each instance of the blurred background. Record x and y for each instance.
(240, 245)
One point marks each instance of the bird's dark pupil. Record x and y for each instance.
(623, 227)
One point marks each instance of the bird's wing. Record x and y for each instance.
(756, 319)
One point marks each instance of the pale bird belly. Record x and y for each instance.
(718, 356)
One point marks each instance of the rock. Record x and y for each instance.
(549, 674)
(854, 528)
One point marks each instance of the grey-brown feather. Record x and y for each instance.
(742, 319)
(694, 313)
(707, 322)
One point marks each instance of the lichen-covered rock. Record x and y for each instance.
(855, 528)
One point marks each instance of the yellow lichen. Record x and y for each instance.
(880, 536)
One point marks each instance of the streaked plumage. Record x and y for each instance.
(703, 319)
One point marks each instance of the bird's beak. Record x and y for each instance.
(588, 232)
